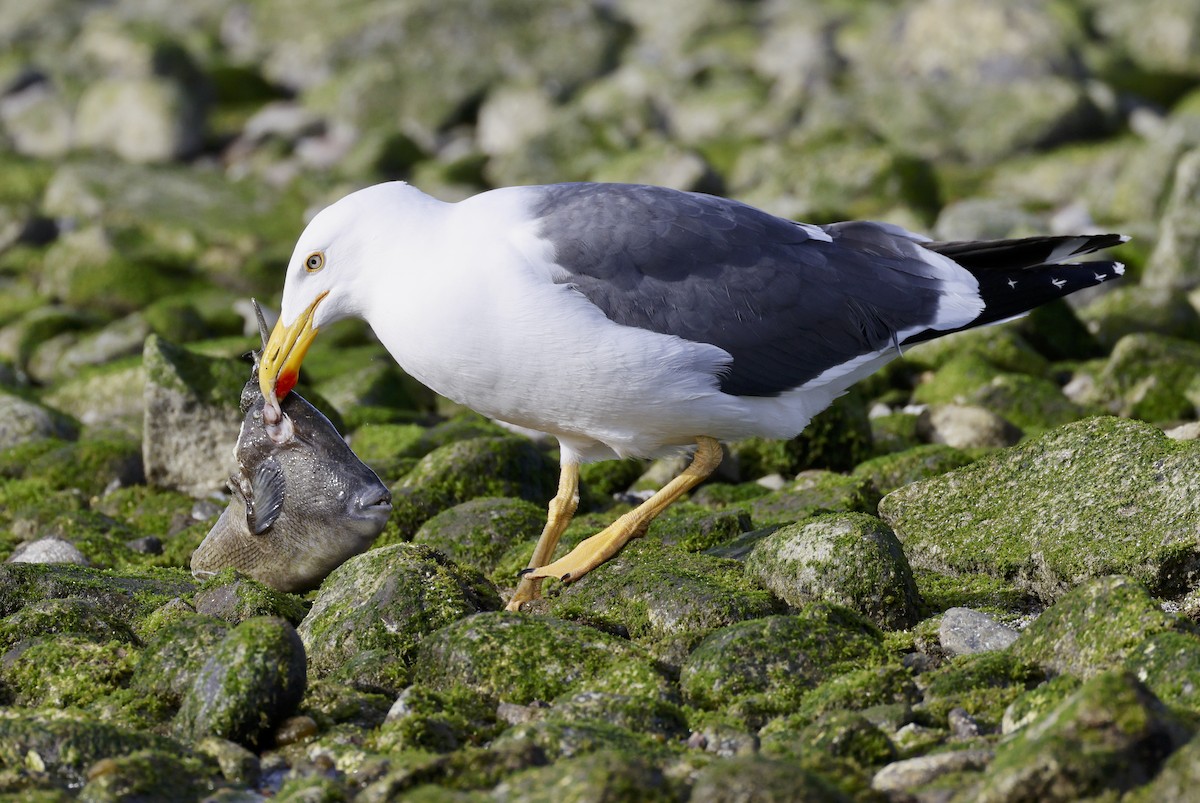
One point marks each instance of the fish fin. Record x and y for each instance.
(267, 489)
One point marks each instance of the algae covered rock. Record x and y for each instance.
(63, 745)
(1093, 627)
(600, 775)
(650, 592)
(377, 607)
(1151, 377)
(1109, 736)
(478, 532)
(760, 778)
(192, 417)
(766, 666)
(254, 678)
(1096, 497)
(849, 559)
(519, 658)
(22, 421)
(465, 470)
(888, 472)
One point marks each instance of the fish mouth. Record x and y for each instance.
(375, 507)
(279, 367)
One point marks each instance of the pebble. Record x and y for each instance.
(965, 632)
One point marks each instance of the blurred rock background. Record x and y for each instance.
(158, 160)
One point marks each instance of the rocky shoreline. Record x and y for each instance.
(975, 578)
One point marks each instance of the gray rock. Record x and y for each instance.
(965, 632)
(191, 417)
(1003, 80)
(48, 550)
(383, 603)
(1109, 736)
(253, 680)
(966, 427)
(1148, 376)
(1160, 36)
(913, 773)
(1031, 514)
(63, 356)
(140, 119)
(1135, 309)
(175, 654)
(848, 559)
(1176, 255)
(23, 421)
(111, 396)
(986, 219)
(37, 121)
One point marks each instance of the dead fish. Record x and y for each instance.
(302, 502)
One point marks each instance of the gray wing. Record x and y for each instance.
(787, 301)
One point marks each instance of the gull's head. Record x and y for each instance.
(329, 275)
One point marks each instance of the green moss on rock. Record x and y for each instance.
(602, 774)
(149, 774)
(437, 721)
(650, 592)
(520, 659)
(465, 470)
(1151, 377)
(378, 606)
(693, 528)
(478, 532)
(851, 559)
(838, 438)
(66, 670)
(1031, 403)
(983, 685)
(1109, 736)
(1093, 628)
(1100, 496)
(889, 472)
(766, 666)
(759, 777)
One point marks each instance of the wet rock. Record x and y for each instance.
(23, 421)
(1169, 664)
(77, 617)
(1128, 310)
(913, 773)
(1031, 404)
(963, 631)
(441, 722)
(191, 417)
(1093, 627)
(1151, 377)
(140, 119)
(1176, 782)
(966, 427)
(693, 528)
(234, 598)
(175, 654)
(979, 686)
(57, 671)
(48, 550)
(761, 778)
(891, 471)
(637, 714)
(110, 396)
(147, 773)
(1029, 514)
(63, 745)
(374, 610)
(478, 532)
(238, 765)
(519, 658)
(1177, 252)
(813, 491)
(918, 83)
(654, 594)
(765, 666)
(601, 775)
(253, 680)
(465, 470)
(129, 597)
(848, 559)
(1109, 736)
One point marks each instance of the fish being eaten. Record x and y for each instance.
(302, 502)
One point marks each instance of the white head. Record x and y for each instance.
(329, 276)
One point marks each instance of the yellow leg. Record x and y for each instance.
(603, 545)
(562, 508)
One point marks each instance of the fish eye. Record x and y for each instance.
(315, 261)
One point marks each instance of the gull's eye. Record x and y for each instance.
(315, 261)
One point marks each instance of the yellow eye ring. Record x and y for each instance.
(315, 261)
